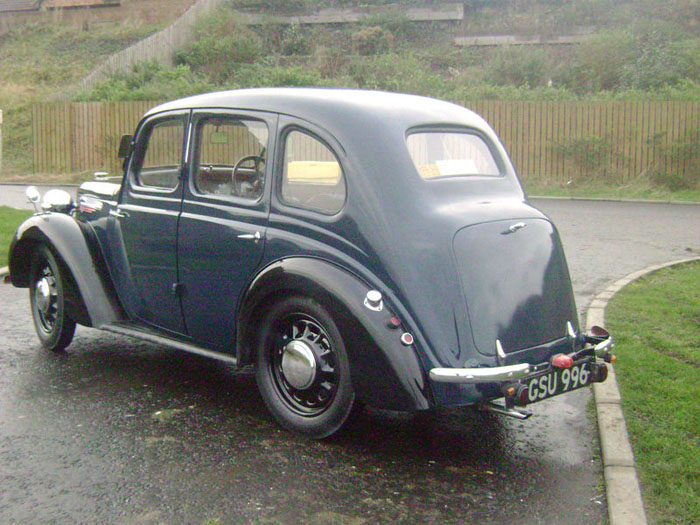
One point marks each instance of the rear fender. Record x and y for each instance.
(385, 373)
(90, 290)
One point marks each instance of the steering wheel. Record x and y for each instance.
(239, 169)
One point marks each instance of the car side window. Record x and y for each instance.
(160, 163)
(230, 156)
(312, 178)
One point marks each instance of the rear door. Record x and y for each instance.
(221, 234)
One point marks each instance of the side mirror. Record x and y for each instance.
(125, 146)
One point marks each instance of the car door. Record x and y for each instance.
(143, 227)
(225, 209)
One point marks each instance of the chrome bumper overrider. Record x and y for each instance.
(480, 375)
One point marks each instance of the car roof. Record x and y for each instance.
(334, 107)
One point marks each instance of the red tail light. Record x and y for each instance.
(562, 361)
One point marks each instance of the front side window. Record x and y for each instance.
(312, 177)
(439, 154)
(230, 157)
(162, 157)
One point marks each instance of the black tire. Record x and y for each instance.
(47, 296)
(319, 408)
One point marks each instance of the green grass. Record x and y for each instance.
(9, 220)
(656, 323)
(636, 190)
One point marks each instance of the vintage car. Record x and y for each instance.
(356, 247)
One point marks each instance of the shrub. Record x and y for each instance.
(220, 46)
(654, 62)
(598, 64)
(372, 40)
(148, 81)
(676, 164)
(392, 72)
(295, 41)
(517, 66)
(588, 155)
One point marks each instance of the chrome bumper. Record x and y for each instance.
(598, 345)
(480, 375)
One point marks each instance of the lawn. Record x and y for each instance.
(9, 220)
(656, 324)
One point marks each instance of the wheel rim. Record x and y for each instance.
(304, 365)
(46, 300)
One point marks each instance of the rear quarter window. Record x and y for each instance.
(312, 177)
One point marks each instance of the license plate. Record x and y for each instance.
(558, 381)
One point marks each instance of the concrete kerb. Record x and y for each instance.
(625, 504)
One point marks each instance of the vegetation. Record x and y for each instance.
(637, 50)
(9, 220)
(656, 322)
(640, 50)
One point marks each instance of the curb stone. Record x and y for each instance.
(624, 497)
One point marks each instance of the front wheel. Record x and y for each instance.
(47, 296)
(303, 371)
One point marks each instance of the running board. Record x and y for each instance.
(172, 343)
(500, 409)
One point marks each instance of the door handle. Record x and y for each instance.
(118, 213)
(250, 236)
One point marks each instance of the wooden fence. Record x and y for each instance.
(549, 142)
(82, 136)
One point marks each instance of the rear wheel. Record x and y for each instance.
(47, 296)
(303, 371)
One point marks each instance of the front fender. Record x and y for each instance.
(385, 373)
(76, 248)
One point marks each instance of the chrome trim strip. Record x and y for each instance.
(480, 375)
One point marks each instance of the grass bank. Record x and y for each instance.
(656, 323)
(9, 220)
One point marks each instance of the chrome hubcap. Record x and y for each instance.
(299, 365)
(46, 300)
(304, 365)
(43, 295)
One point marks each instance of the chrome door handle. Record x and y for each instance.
(118, 213)
(250, 236)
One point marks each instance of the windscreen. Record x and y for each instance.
(438, 154)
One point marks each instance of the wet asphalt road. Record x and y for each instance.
(121, 431)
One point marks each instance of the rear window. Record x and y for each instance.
(438, 154)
